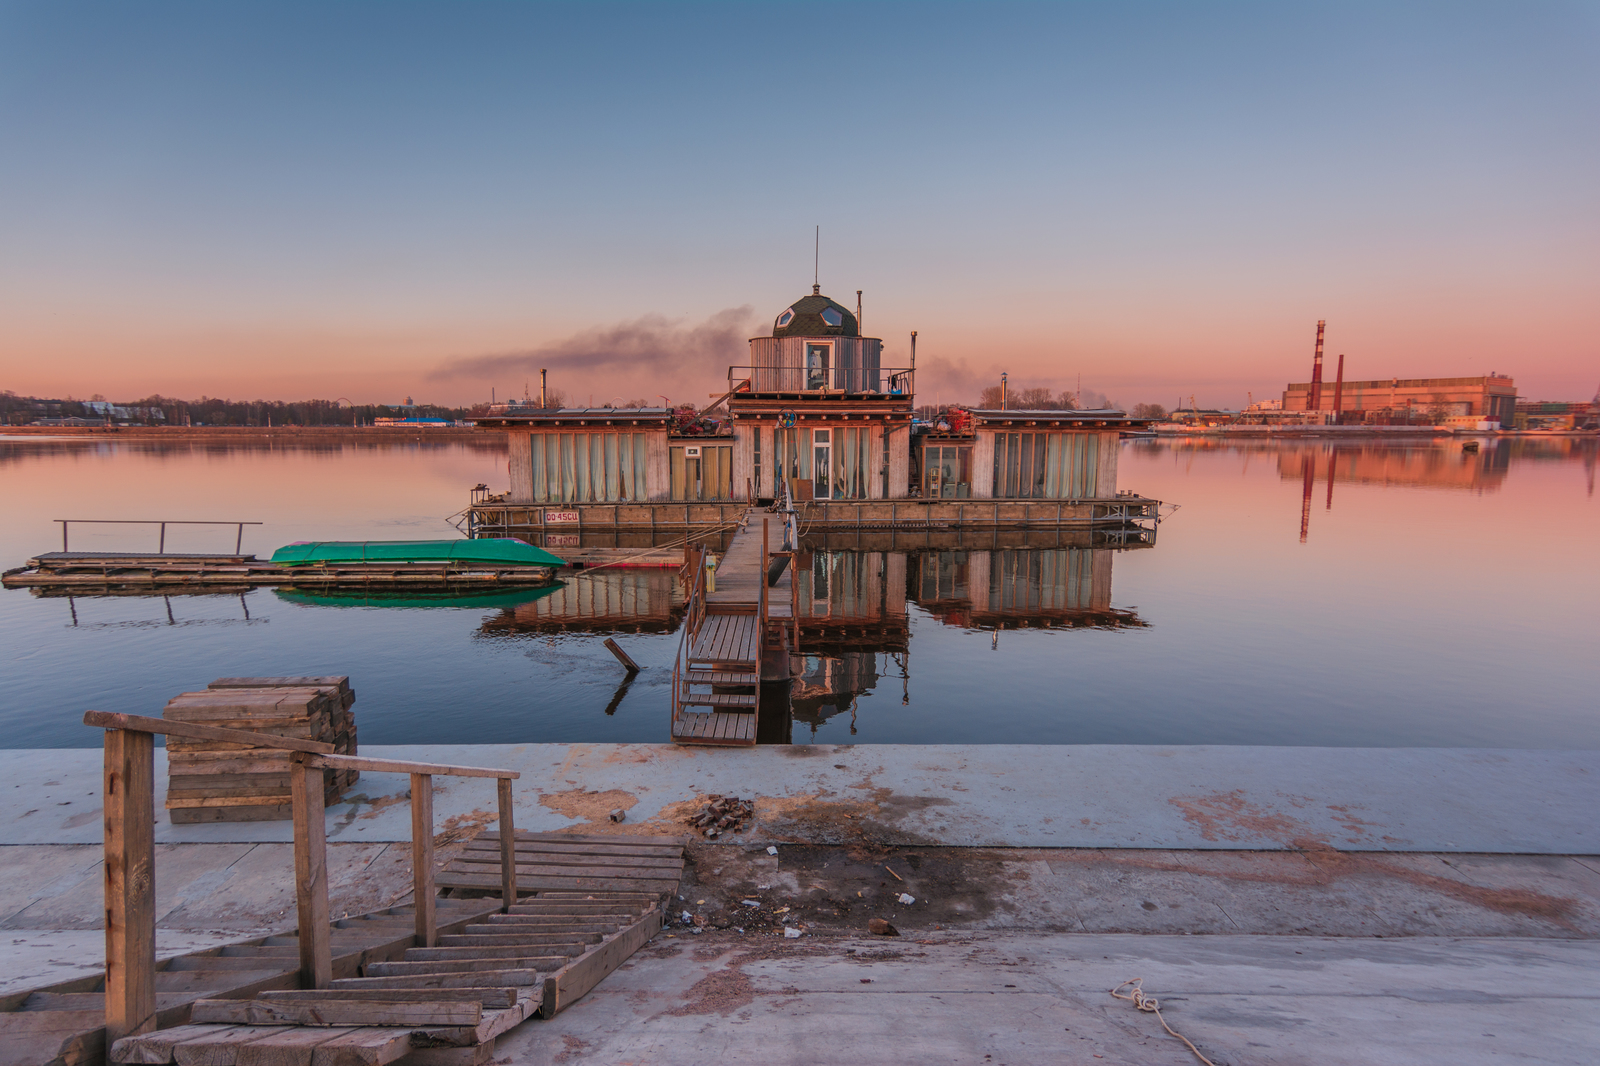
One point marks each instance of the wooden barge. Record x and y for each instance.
(174, 572)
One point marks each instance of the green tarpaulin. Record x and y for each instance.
(489, 551)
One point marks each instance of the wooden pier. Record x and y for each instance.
(174, 572)
(734, 638)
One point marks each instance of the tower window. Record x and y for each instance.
(831, 316)
(786, 318)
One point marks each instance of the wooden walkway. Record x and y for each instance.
(717, 683)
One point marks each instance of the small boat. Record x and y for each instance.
(483, 553)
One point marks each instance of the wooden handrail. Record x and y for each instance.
(129, 802)
(138, 723)
(398, 766)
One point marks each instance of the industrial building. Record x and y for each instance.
(1470, 402)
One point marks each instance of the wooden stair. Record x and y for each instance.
(722, 668)
(65, 1023)
(453, 999)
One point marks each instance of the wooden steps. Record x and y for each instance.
(66, 1022)
(454, 1008)
(557, 862)
(715, 728)
(727, 640)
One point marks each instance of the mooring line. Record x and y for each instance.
(1148, 1003)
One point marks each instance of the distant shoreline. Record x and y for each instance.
(286, 433)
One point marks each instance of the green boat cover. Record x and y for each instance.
(503, 599)
(486, 551)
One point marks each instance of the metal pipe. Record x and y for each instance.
(544, 393)
(1002, 390)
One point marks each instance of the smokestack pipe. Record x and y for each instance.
(544, 391)
(1338, 397)
(859, 327)
(1314, 397)
(1002, 390)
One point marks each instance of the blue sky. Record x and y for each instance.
(359, 199)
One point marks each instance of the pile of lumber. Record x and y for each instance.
(215, 781)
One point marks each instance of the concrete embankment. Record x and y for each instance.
(1249, 886)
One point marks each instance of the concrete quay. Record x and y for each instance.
(1287, 904)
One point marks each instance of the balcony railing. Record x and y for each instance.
(847, 380)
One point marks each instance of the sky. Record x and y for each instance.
(285, 201)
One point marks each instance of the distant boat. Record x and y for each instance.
(491, 552)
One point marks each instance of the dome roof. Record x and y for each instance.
(816, 316)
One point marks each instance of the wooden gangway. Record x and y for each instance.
(734, 638)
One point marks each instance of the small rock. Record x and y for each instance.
(791, 933)
(907, 898)
(751, 902)
(771, 850)
(618, 815)
(879, 927)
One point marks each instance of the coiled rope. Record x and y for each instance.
(1148, 1003)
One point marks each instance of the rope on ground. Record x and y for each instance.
(1142, 1000)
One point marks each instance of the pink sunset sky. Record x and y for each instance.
(374, 202)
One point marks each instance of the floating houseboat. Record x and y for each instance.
(817, 410)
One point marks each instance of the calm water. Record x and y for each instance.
(1434, 598)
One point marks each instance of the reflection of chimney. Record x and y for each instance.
(1314, 397)
(1338, 390)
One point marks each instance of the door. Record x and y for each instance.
(817, 365)
(821, 463)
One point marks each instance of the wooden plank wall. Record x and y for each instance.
(520, 465)
(658, 476)
(983, 465)
(1106, 475)
(899, 460)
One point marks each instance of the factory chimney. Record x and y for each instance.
(1338, 393)
(1314, 397)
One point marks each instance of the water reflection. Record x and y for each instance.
(854, 609)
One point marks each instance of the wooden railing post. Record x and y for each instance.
(311, 872)
(508, 847)
(130, 883)
(422, 858)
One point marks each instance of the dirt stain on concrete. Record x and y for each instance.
(1229, 816)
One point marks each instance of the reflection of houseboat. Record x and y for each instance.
(602, 601)
(816, 408)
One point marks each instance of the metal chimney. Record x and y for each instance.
(1314, 397)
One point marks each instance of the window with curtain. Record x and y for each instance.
(1045, 466)
(588, 467)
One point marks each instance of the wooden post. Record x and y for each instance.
(422, 858)
(311, 873)
(130, 883)
(508, 847)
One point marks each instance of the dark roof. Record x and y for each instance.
(808, 320)
(1106, 414)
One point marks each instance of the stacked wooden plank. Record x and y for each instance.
(447, 1003)
(559, 862)
(215, 781)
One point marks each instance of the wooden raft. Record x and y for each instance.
(442, 1004)
(215, 781)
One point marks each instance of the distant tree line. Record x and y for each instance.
(213, 411)
(1037, 398)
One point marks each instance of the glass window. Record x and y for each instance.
(817, 365)
(786, 318)
(831, 316)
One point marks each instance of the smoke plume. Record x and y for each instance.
(650, 353)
